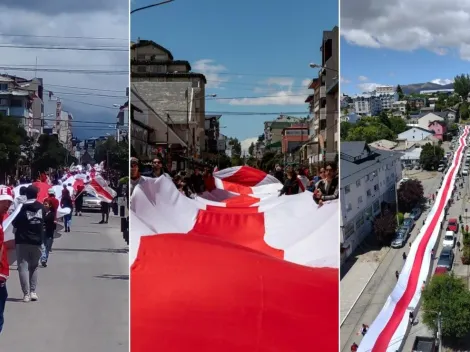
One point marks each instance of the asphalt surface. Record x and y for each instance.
(375, 294)
(83, 295)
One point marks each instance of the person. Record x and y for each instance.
(29, 226)
(79, 200)
(364, 329)
(20, 199)
(104, 213)
(209, 180)
(397, 274)
(6, 198)
(49, 228)
(291, 184)
(279, 173)
(412, 318)
(135, 174)
(52, 200)
(157, 169)
(196, 182)
(66, 202)
(354, 347)
(328, 187)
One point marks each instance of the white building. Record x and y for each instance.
(423, 120)
(366, 104)
(368, 178)
(385, 90)
(399, 106)
(414, 134)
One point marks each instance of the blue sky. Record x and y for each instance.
(402, 42)
(246, 49)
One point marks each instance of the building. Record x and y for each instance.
(174, 94)
(212, 133)
(324, 104)
(222, 144)
(424, 119)
(293, 138)
(64, 129)
(438, 128)
(415, 134)
(399, 106)
(437, 91)
(272, 140)
(368, 179)
(366, 104)
(417, 103)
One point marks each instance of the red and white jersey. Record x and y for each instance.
(4, 266)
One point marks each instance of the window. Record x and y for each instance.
(16, 103)
(376, 206)
(358, 183)
(359, 200)
(3, 87)
(3, 102)
(349, 207)
(376, 187)
(347, 189)
(367, 178)
(369, 193)
(141, 68)
(359, 221)
(348, 231)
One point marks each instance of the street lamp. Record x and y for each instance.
(314, 65)
(211, 96)
(153, 5)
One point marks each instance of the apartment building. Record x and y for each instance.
(212, 132)
(366, 104)
(399, 106)
(294, 137)
(368, 178)
(174, 94)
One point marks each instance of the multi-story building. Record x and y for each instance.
(64, 129)
(417, 103)
(174, 94)
(368, 178)
(323, 103)
(387, 96)
(366, 104)
(400, 106)
(293, 138)
(212, 131)
(222, 143)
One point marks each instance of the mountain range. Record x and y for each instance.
(417, 87)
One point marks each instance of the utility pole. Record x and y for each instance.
(439, 331)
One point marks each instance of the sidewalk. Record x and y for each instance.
(83, 295)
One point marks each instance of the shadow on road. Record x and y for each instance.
(113, 277)
(102, 250)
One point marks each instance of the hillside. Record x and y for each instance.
(417, 87)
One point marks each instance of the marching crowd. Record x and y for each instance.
(325, 185)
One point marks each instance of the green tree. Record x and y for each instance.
(114, 154)
(12, 137)
(462, 85)
(408, 108)
(223, 161)
(385, 227)
(448, 295)
(464, 112)
(441, 102)
(430, 156)
(49, 153)
(400, 93)
(383, 118)
(409, 194)
(397, 124)
(251, 149)
(370, 133)
(236, 146)
(269, 161)
(345, 126)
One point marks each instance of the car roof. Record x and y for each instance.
(446, 250)
(450, 233)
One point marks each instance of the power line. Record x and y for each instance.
(90, 104)
(79, 121)
(14, 46)
(88, 94)
(59, 37)
(83, 88)
(58, 70)
(62, 65)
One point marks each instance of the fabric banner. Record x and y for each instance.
(389, 329)
(233, 271)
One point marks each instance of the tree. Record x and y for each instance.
(448, 295)
(114, 154)
(408, 108)
(269, 161)
(383, 119)
(49, 153)
(397, 124)
(430, 157)
(345, 126)
(12, 136)
(409, 194)
(370, 133)
(385, 226)
(462, 85)
(400, 93)
(251, 149)
(464, 113)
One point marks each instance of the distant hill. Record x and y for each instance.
(417, 87)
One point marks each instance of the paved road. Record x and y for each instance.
(83, 295)
(376, 292)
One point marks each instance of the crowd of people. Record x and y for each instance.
(324, 186)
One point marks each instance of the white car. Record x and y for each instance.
(449, 239)
(465, 172)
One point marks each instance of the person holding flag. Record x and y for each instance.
(6, 198)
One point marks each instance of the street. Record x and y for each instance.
(83, 294)
(373, 296)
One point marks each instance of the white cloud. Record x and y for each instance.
(245, 144)
(363, 78)
(212, 71)
(368, 87)
(442, 81)
(345, 80)
(72, 19)
(408, 25)
(279, 81)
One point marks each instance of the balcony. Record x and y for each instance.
(323, 114)
(323, 92)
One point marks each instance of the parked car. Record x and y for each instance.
(441, 168)
(465, 171)
(409, 222)
(90, 202)
(401, 237)
(449, 239)
(415, 213)
(418, 167)
(446, 260)
(453, 225)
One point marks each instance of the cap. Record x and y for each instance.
(6, 193)
(134, 160)
(50, 191)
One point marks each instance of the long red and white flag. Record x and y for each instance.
(100, 188)
(238, 269)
